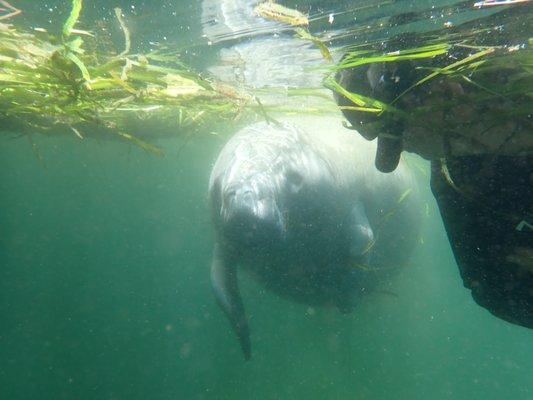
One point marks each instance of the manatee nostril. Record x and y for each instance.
(236, 191)
(294, 180)
(239, 203)
(244, 197)
(246, 193)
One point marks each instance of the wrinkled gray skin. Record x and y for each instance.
(298, 211)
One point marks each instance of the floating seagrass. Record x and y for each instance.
(58, 86)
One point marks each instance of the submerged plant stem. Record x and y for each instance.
(125, 30)
(14, 11)
(72, 18)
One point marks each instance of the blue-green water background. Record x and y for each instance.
(104, 287)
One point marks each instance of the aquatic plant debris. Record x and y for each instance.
(65, 87)
(490, 3)
(404, 195)
(125, 30)
(437, 88)
(9, 10)
(277, 12)
(306, 35)
(72, 18)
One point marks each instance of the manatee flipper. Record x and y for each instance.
(226, 290)
(360, 234)
(360, 239)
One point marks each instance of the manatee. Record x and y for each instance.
(306, 213)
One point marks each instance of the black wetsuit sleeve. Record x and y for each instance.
(486, 206)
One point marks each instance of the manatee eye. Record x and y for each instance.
(294, 180)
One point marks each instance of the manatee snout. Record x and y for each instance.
(250, 216)
(239, 202)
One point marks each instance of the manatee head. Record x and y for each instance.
(258, 181)
(250, 211)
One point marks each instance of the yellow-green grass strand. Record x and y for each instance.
(450, 67)
(72, 18)
(125, 31)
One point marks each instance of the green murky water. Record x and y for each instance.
(105, 294)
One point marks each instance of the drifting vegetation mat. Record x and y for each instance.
(62, 85)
